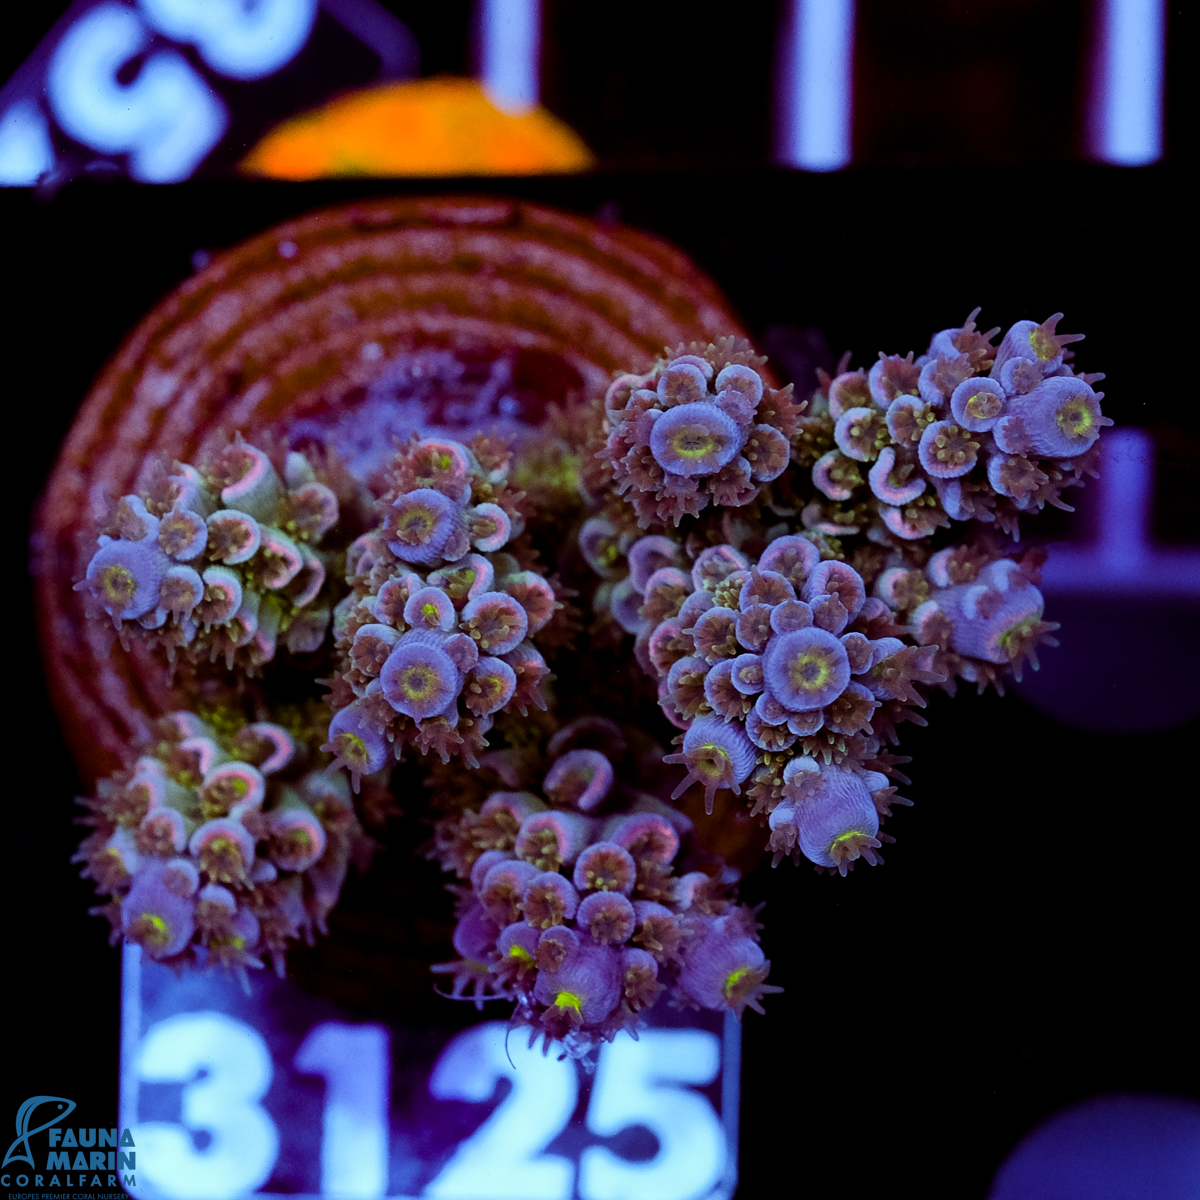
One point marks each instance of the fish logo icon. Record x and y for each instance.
(24, 1133)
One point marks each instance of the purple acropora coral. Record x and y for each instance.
(434, 637)
(967, 431)
(219, 848)
(579, 914)
(773, 666)
(702, 427)
(795, 577)
(218, 563)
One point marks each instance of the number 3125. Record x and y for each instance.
(642, 1082)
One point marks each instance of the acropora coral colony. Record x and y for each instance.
(786, 577)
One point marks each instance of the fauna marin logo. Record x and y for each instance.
(75, 1158)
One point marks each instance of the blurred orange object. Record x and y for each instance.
(440, 126)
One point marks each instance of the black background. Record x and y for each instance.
(1026, 944)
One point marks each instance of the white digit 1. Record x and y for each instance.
(629, 1091)
(167, 119)
(353, 1059)
(223, 1103)
(503, 1159)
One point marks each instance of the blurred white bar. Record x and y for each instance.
(1126, 490)
(510, 42)
(1127, 82)
(1122, 558)
(815, 94)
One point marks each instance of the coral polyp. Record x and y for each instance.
(220, 843)
(428, 660)
(582, 930)
(219, 562)
(701, 427)
(794, 652)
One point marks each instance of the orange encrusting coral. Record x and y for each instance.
(441, 126)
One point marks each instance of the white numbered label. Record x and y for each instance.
(353, 1059)
(504, 1159)
(167, 119)
(549, 1132)
(243, 39)
(639, 1083)
(235, 1071)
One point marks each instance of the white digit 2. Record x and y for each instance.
(167, 119)
(223, 1103)
(353, 1059)
(503, 1159)
(629, 1090)
(239, 39)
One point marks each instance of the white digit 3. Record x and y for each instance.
(637, 1084)
(353, 1059)
(167, 119)
(238, 39)
(503, 1159)
(222, 1103)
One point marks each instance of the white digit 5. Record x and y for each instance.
(354, 1132)
(223, 1103)
(629, 1091)
(239, 39)
(503, 1159)
(167, 118)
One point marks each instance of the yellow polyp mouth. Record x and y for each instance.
(713, 765)
(806, 679)
(443, 462)
(1075, 418)
(523, 954)
(1043, 346)
(848, 836)
(417, 525)
(352, 748)
(221, 858)
(1011, 639)
(733, 980)
(151, 931)
(118, 583)
(983, 405)
(430, 612)
(298, 841)
(689, 444)
(569, 1000)
(417, 683)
